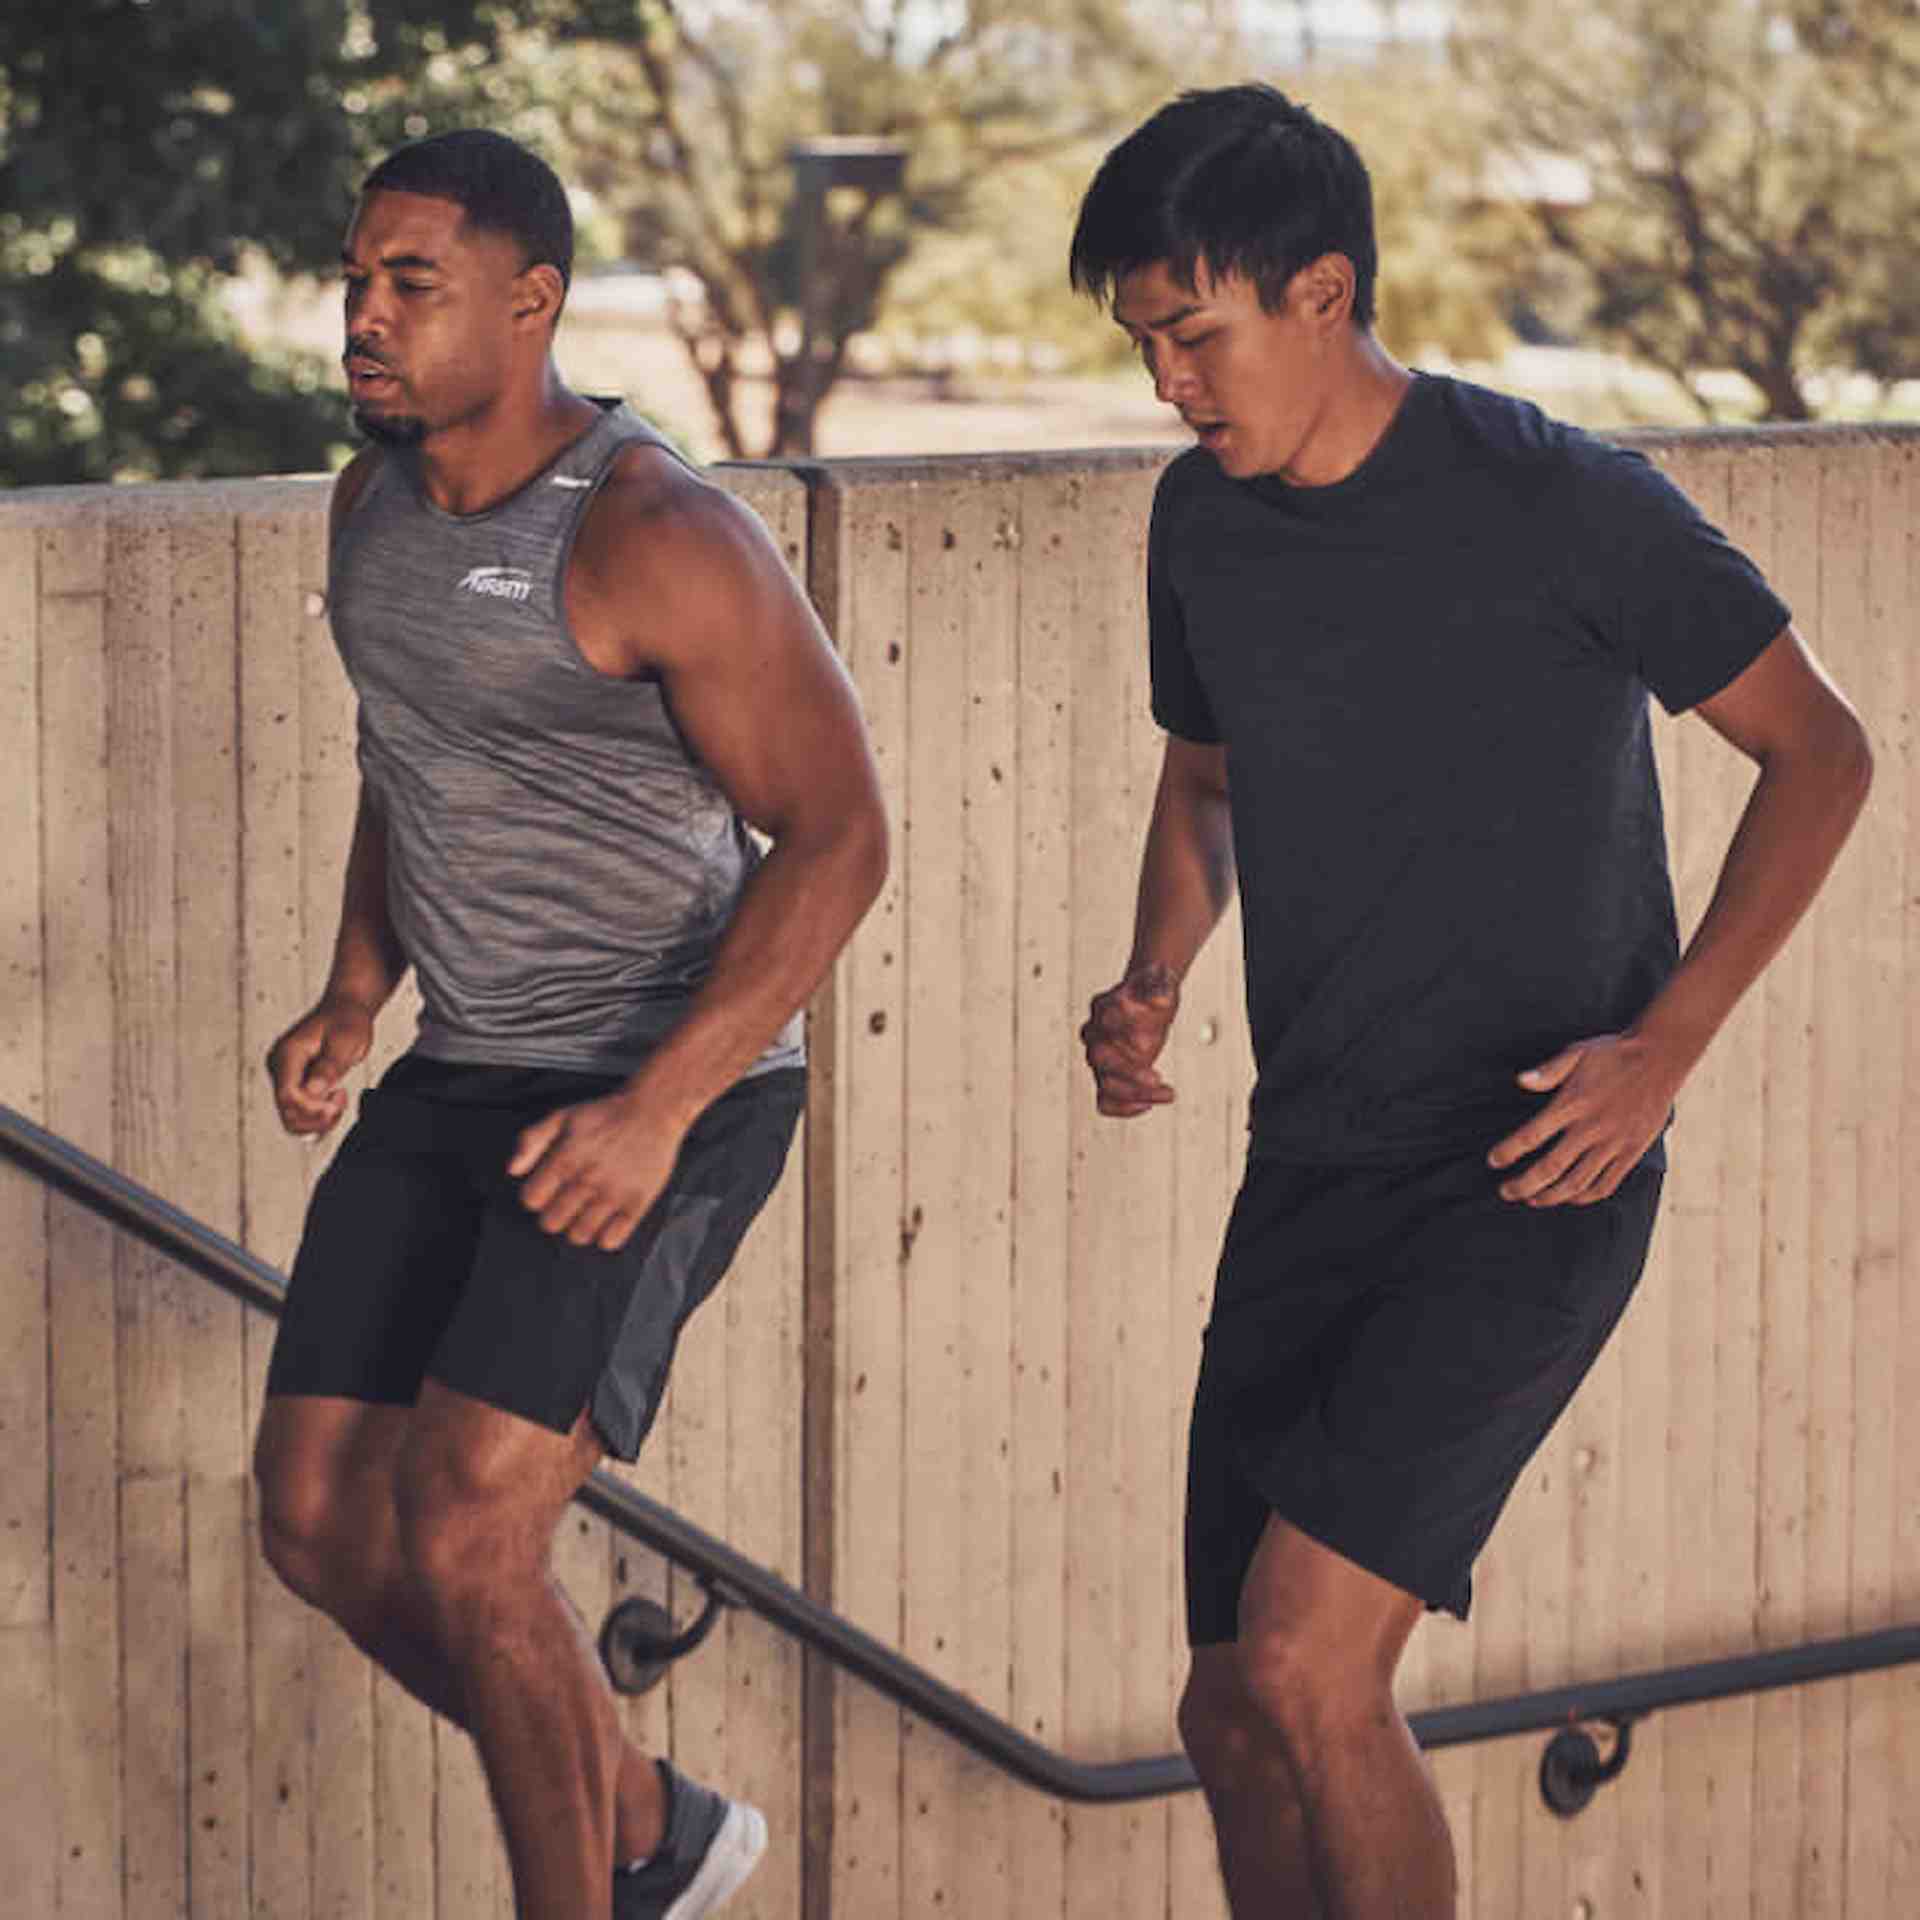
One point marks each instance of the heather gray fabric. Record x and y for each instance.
(560, 865)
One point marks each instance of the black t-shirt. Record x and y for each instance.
(1431, 680)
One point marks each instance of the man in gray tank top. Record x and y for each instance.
(583, 674)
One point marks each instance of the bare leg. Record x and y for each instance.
(330, 1527)
(480, 1493)
(1319, 1641)
(1258, 1821)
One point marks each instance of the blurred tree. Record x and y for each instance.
(142, 147)
(1739, 178)
(682, 115)
(1001, 273)
(1435, 292)
(999, 276)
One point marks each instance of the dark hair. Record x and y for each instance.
(1240, 180)
(496, 182)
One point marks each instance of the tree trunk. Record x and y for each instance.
(796, 404)
(713, 361)
(1780, 388)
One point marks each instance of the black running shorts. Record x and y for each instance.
(1388, 1347)
(420, 1261)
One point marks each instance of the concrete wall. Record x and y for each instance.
(947, 1384)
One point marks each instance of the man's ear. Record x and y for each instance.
(538, 295)
(1327, 289)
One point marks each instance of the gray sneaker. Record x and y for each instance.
(712, 1845)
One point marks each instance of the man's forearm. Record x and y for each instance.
(795, 914)
(1186, 879)
(1795, 823)
(368, 961)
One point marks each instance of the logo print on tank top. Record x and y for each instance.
(498, 583)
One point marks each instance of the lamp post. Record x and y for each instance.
(872, 166)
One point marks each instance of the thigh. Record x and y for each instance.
(1304, 1595)
(1495, 1316)
(478, 1493)
(546, 1329)
(1284, 1286)
(327, 1465)
(1225, 1517)
(1390, 1425)
(390, 1234)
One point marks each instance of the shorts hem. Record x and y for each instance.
(1380, 1565)
(1432, 1590)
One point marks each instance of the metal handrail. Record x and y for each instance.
(736, 1580)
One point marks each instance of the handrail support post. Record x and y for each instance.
(1571, 1770)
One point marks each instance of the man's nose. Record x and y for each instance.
(1172, 377)
(367, 315)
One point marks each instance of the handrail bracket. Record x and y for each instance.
(639, 1640)
(1571, 1770)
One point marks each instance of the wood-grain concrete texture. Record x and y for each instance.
(180, 1736)
(946, 1384)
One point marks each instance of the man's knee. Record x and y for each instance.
(308, 1537)
(1215, 1717)
(1320, 1640)
(1308, 1691)
(1230, 1733)
(469, 1551)
(324, 1529)
(477, 1495)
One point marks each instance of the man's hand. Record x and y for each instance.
(1124, 1033)
(1611, 1097)
(307, 1062)
(591, 1172)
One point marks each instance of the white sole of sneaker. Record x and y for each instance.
(735, 1852)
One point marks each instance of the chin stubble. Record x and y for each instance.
(390, 430)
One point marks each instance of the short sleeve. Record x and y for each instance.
(1180, 702)
(1658, 584)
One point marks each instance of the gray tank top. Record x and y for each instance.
(560, 866)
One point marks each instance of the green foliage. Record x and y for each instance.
(144, 144)
(1753, 174)
(1003, 271)
(1435, 291)
(680, 121)
(118, 368)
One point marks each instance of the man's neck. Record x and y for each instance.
(1362, 401)
(482, 461)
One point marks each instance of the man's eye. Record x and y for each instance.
(1192, 340)
(414, 286)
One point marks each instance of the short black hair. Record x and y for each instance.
(499, 185)
(1240, 180)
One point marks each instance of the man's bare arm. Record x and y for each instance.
(1611, 1094)
(1186, 882)
(309, 1060)
(306, 1064)
(687, 581)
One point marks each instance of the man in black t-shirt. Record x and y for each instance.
(1403, 631)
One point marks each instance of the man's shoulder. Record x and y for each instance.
(1510, 454)
(664, 554)
(653, 513)
(646, 479)
(1497, 427)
